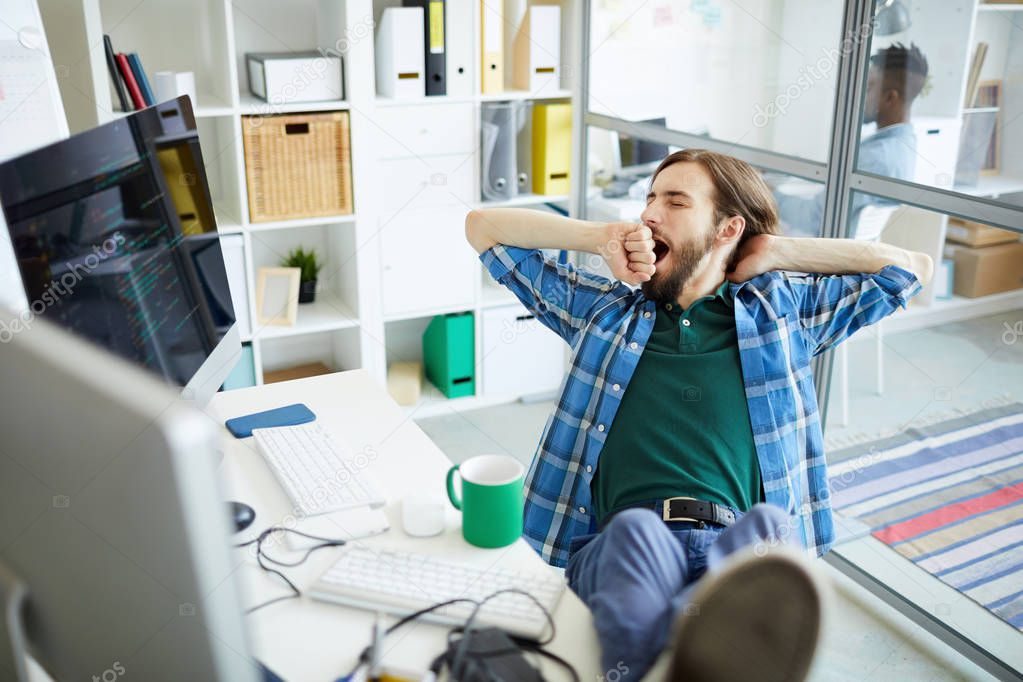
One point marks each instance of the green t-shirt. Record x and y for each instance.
(683, 426)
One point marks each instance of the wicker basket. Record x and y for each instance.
(298, 165)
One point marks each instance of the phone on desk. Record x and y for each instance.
(289, 415)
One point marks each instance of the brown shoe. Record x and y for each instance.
(756, 619)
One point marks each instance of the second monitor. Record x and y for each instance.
(116, 240)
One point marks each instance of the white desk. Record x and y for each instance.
(307, 640)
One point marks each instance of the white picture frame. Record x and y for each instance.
(277, 296)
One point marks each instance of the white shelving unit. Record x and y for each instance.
(401, 257)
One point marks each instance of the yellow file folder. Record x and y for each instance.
(492, 43)
(552, 147)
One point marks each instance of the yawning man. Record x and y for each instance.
(686, 444)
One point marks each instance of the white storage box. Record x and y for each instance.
(520, 356)
(283, 77)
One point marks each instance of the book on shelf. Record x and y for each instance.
(140, 77)
(973, 77)
(115, 76)
(130, 82)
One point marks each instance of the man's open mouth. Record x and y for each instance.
(661, 249)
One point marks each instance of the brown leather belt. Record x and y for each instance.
(682, 509)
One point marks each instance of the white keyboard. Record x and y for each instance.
(319, 473)
(403, 582)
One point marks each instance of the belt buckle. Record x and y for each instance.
(666, 510)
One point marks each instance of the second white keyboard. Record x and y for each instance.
(404, 582)
(319, 473)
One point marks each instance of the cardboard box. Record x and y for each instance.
(977, 234)
(405, 382)
(988, 269)
(312, 369)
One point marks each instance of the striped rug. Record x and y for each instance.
(948, 496)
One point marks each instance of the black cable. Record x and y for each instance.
(261, 555)
(464, 643)
(363, 658)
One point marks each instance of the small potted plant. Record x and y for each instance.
(309, 265)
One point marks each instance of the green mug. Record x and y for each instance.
(491, 500)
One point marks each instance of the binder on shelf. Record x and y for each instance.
(115, 74)
(552, 147)
(449, 349)
(434, 50)
(492, 44)
(399, 53)
(498, 137)
(140, 77)
(459, 42)
(524, 147)
(178, 163)
(537, 53)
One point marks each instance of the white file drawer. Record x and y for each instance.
(429, 182)
(520, 356)
(426, 263)
(423, 129)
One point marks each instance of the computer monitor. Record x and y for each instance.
(115, 559)
(643, 153)
(115, 238)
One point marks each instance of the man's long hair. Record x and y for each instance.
(739, 190)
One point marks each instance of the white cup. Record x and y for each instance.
(422, 514)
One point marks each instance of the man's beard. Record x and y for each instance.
(674, 271)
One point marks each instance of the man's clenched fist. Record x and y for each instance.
(628, 249)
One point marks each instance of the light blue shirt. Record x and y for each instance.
(890, 152)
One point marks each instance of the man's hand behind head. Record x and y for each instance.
(754, 257)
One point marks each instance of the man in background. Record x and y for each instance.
(894, 80)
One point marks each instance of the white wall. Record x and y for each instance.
(805, 78)
(715, 75)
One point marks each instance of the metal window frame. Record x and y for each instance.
(841, 179)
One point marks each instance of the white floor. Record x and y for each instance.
(927, 373)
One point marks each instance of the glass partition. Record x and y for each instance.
(924, 419)
(943, 97)
(758, 73)
(924, 434)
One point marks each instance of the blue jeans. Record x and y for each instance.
(637, 573)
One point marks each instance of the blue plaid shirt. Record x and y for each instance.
(782, 320)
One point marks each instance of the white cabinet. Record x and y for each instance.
(426, 263)
(426, 164)
(424, 129)
(425, 182)
(519, 356)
